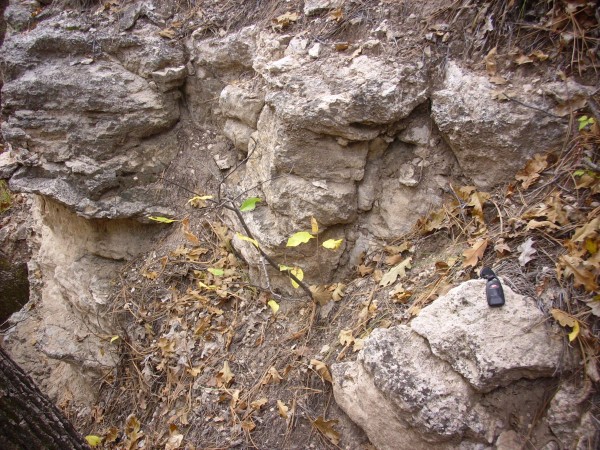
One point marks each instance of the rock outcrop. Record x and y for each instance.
(463, 375)
(105, 116)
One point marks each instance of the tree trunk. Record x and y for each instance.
(28, 419)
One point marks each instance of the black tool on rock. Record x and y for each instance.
(493, 288)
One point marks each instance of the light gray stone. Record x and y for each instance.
(316, 6)
(239, 133)
(491, 139)
(170, 78)
(241, 104)
(491, 347)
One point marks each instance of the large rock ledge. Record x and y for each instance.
(463, 375)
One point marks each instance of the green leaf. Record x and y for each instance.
(162, 219)
(247, 239)
(92, 440)
(273, 305)
(249, 204)
(579, 173)
(301, 237)
(332, 244)
(216, 272)
(114, 338)
(296, 271)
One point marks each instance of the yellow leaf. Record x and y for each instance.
(296, 271)
(282, 409)
(114, 338)
(475, 253)
(321, 369)
(301, 237)
(326, 428)
(314, 225)
(92, 440)
(273, 305)
(199, 201)
(332, 244)
(224, 376)
(566, 320)
(247, 239)
(338, 292)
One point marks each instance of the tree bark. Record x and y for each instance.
(28, 419)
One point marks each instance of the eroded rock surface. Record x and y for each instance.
(463, 375)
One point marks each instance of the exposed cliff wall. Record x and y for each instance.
(115, 115)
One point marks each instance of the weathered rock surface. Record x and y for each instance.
(408, 390)
(90, 132)
(491, 347)
(63, 336)
(491, 138)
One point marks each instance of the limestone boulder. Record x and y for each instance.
(491, 138)
(485, 389)
(491, 347)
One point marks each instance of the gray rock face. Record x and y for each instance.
(491, 138)
(89, 132)
(491, 347)
(452, 378)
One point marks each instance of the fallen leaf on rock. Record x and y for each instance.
(523, 59)
(570, 265)
(224, 376)
(590, 229)
(359, 344)
(320, 294)
(527, 251)
(338, 292)
(490, 61)
(284, 20)
(257, 404)
(498, 80)
(321, 369)
(282, 409)
(364, 270)
(272, 376)
(167, 33)
(345, 337)
(332, 244)
(569, 107)
(533, 224)
(566, 320)
(326, 428)
(531, 172)
(475, 253)
(502, 247)
(395, 272)
(248, 425)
